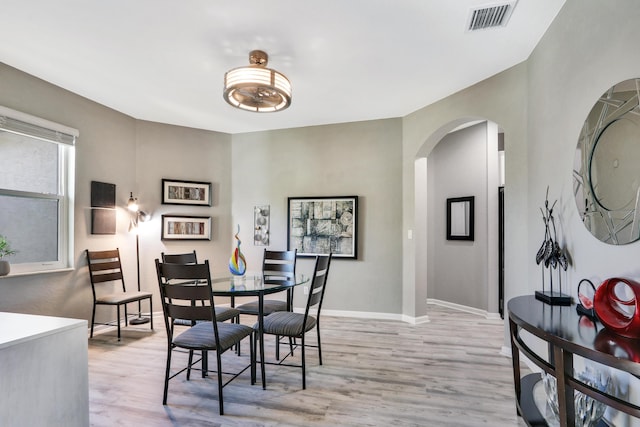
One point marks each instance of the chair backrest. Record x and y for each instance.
(104, 266)
(185, 291)
(186, 258)
(318, 283)
(279, 265)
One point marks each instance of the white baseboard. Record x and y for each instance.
(372, 315)
(479, 312)
(506, 351)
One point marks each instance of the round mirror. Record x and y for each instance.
(607, 166)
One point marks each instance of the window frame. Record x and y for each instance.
(65, 137)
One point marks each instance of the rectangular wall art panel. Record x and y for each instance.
(103, 208)
(322, 225)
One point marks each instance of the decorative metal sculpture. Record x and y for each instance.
(551, 256)
(237, 262)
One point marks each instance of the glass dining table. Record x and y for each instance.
(254, 285)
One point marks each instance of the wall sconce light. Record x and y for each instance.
(140, 216)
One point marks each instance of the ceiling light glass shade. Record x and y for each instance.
(257, 88)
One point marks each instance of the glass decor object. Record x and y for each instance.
(586, 294)
(616, 305)
(237, 262)
(588, 411)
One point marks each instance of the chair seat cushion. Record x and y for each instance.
(201, 336)
(287, 324)
(121, 298)
(222, 315)
(226, 313)
(269, 306)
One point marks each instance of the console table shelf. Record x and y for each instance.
(561, 328)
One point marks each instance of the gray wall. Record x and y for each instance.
(457, 168)
(134, 155)
(362, 159)
(541, 105)
(259, 168)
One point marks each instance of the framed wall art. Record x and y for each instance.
(103, 208)
(175, 192)
(261, 225)
(320, 225)
(183, 227)
(460, 218)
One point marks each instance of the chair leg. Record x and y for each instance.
(304, 376)
(236, 320)
(319, 345)
(205, 363)
(189, 365)
(277, 347)
(93, 318)
(166, 376)
(252, 357)
(126, 316)
(118, 310)
(220, 400)
(151, 312)
(255, 357)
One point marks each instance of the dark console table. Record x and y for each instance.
(566, 334)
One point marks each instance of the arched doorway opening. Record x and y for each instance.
(462, 159)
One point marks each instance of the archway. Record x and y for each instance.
(472, 283)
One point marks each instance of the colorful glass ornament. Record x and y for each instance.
(237, 262)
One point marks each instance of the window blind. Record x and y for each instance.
(35, 127)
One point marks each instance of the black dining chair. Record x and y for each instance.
(277, 266)
(186, 293)
(296, 325)
(105, 270)
(223, 313)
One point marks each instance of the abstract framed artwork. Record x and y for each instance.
(176, 192)
(460, 218)
(322, 225)
(261, 225)
(184, 227)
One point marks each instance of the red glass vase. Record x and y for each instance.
(619, 315)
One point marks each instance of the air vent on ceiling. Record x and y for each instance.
(490, 16)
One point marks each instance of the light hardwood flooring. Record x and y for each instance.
(447, 372)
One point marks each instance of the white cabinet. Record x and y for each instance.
(43, 371)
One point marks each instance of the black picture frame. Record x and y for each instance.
(460, 218)
(320, 225)
(186, 227)
(178, 192)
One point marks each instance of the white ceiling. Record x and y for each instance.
(348, 60)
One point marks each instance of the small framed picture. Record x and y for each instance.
(175, 192)
(183, 227)
(460, 218)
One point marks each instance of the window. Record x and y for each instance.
(36, 191)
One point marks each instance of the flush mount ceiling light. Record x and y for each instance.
(256, 87)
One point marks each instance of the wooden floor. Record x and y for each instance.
(376, 373)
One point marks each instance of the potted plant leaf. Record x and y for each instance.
(5, 250)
